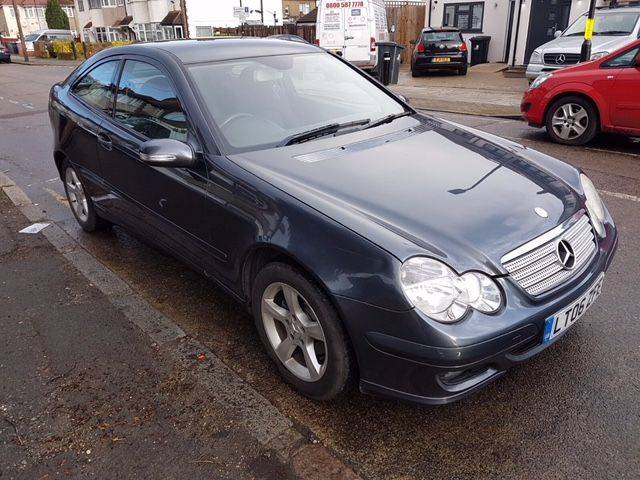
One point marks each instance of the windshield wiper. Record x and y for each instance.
(612, 32)
(388, 119)
(321, 132)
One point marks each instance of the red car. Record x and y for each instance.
(575, 103)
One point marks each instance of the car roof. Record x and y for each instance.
(225, 48)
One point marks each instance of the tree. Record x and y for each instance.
(55, 16)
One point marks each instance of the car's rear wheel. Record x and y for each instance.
(462, 71)
(80, 203)
(415, 73)
(572, 120)
(301, 332)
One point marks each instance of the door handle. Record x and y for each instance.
(104, 141)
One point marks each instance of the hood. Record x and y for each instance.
(422, 186)
(606, 43)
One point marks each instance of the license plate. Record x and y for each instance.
(441, 60)
(561, 321)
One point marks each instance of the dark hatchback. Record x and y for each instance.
(370, 242)
(439, 49)
(5, 54)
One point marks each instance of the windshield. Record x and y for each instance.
(31, 38)
(441, 37)
(619, 23)
(260, 102)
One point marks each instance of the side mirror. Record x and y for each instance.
(557, 33)
(403, 98)
(393, 29)
(166, 152)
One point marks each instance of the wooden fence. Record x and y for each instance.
(308, 32)
(408, 18)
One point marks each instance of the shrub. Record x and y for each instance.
(55, 16)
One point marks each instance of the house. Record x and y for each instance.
(31, 16)
(154, 20)
(144, 20)
(516, 27)
(292, 10)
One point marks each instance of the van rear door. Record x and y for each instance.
(331, 26)
(357, 37)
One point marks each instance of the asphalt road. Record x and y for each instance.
(573, 411)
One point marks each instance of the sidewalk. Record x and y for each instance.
(19, 59)
(86, 394)
(483, 91)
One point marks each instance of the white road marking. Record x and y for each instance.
(623, 196)
(604, 150)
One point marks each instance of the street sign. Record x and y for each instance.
(240, 13)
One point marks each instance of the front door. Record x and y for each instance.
(625, 94)
(165, 205)
(547, 16)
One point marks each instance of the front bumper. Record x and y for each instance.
(536, 69)
(406, 355)
(534, 105)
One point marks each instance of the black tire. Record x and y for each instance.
(340, 366)
(93, 222)
(462, 71)
(415, 73)
(592, 126)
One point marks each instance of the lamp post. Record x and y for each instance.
(22, 43)
(585, 51)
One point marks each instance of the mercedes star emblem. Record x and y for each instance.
(565, 254)
(561, 58)
(541, 212)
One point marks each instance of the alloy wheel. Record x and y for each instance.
(76, 196)
(294, 332)
(570, 121)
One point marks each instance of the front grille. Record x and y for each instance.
(561, 58)
(536, 266)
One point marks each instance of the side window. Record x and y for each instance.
(147, 103)
(96, 87)
(625, 60)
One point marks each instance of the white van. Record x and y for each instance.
(351, 29)
(46, 36)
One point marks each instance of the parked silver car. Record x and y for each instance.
(614, 29)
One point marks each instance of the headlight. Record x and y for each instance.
(539, 80)
(536, 57)
(440, 293)
(597, 55)
(595, 207)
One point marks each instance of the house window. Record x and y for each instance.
(12, 12)
(81, 5)
(101, 34)
(68, 10)
(93, 4)
(465, 16)
(30, 12)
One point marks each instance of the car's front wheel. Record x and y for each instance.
(302, 332)
(80, 203)
(572, 120)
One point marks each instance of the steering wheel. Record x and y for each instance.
(234, 117)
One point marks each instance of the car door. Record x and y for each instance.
(88, 102)
(624, 97)
(164, 204)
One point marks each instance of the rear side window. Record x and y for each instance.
(625, 60)
(148, 104)
(96, 88)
